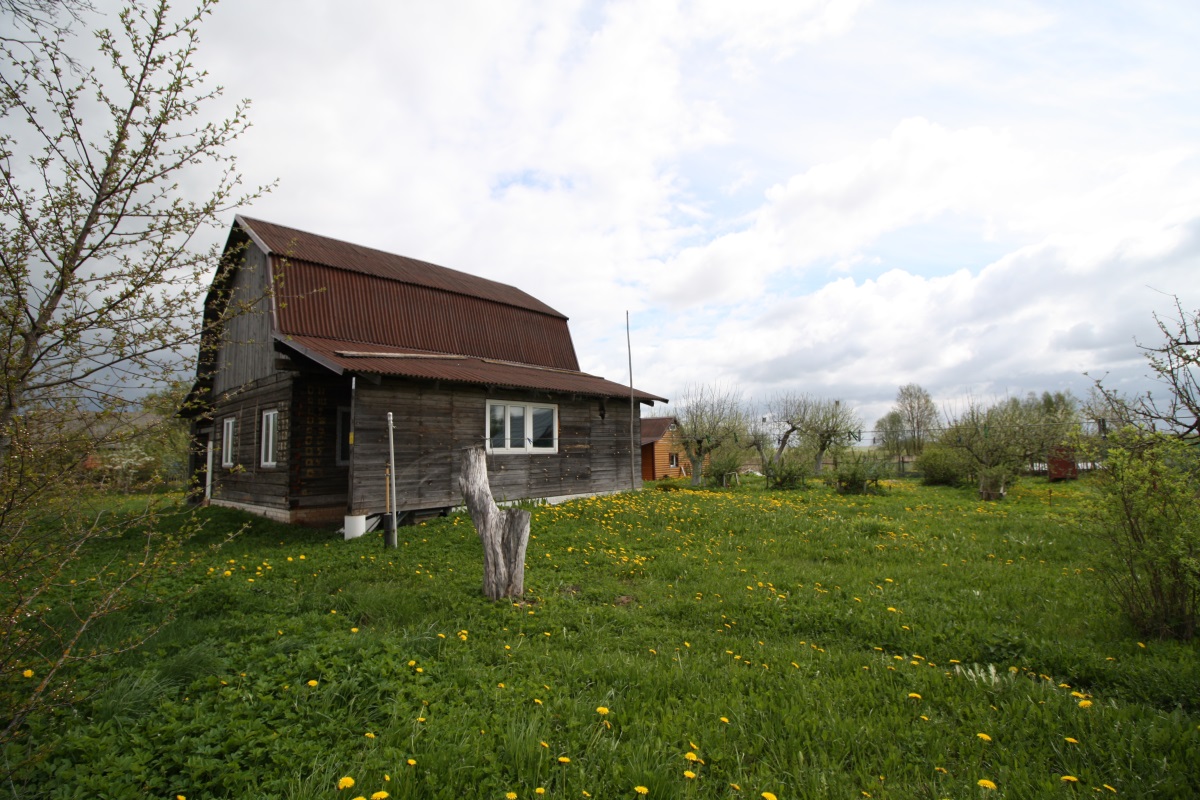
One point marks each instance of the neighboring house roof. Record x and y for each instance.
(655, 428)
(356, 309)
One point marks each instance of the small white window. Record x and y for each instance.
(270, 429)
(674, 461)
(229, 441)
(521, 427)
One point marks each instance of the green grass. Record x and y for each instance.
(799, 643)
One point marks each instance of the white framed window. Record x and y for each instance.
(674, 461)
(270, 433)
(345, 436)
(229, 442)
(521, 427)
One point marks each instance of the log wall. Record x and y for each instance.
(434, 422)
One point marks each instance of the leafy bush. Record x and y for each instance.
(1149, 516)
(941, 466)
(860, 474)
(790, 473)
(724, 460)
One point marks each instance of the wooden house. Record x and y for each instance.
(293, 392)
(662, 456)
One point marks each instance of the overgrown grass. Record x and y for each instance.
(799, 643)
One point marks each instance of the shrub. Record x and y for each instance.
(941, 466)
(860, 474)
(724, 460)
(790, 473)
(1149, 517)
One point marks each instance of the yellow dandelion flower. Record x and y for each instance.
(420, 670)
(1069, 779)
(28, 673)
(691, 756)
(735, 787)
(354, 630)
(543, 744)
(984, 736)
(985, 783)
(369, 735)
(687, 773)
(769, 796)
(539, 790)
(725, 720)
(1111, 789)
(360, 797)
(564, 760)
(1085, 703)
(312, 683)
(601, 710)
(380, 795)
(345, 783)
(1071, 740)
(641, 790)
(412, 762)
(510, 796)
(539, 702)
(914, 696)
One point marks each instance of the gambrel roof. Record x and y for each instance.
(354, 309)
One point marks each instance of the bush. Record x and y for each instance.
(860, 474)
(1149, 517)
(790, 473)
(723, 461)
(941, 466)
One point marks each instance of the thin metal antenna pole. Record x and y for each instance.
(632, 444)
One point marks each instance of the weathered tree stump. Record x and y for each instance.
(503, 532)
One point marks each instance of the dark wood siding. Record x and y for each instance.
(247, 481)
(246, 353)
(433, 423)
(316, 478)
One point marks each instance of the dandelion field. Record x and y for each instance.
(678, 644)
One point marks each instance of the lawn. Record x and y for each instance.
(678, 644)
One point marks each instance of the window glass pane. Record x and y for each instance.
(543, 427)
(516, 427)
(496, 426)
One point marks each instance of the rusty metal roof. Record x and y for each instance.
(321, 301)
(289, 243)
(342, 356)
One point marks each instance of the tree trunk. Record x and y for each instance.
(503, 532)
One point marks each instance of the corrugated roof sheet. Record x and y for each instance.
(317, 300)
(342, 356)
(295, 244)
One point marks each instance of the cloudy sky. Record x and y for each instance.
(830, 196)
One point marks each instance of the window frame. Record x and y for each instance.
(229, 442)
(673, 460)
(527, 410)
(268, 445)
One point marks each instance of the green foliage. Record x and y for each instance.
(942, 466)
(724, 462)
(790, 472)
(783, 634)
(860, 474)
(1149, 516)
